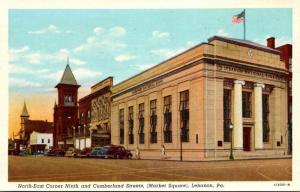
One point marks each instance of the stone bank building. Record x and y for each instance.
(198, 102)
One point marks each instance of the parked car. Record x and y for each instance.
(114, 151)
(71, 152)
(86, 152)
(56, 152)
(24, 152)
(38, 152)
(95, 151)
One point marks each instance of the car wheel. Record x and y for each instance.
(118, 156)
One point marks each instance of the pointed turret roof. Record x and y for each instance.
(24, 111)
(68, 77)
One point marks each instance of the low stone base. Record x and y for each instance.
(197, 155)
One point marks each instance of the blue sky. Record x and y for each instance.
(120, 43)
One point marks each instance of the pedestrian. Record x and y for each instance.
(163, 152)
(137, 153)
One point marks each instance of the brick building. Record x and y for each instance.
(66, 110)
(286, 57)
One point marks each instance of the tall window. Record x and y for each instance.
(184, 115)
(168, 119)
(246, 104)
(130, 122)
(226, 114)
(121, 120)
(81, 118)
(141, 123)
(153, 122)
(89, 114)
(266, 128)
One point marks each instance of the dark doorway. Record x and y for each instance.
(246, 138)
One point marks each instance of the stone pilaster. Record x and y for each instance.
(258, 115)
(238, 115)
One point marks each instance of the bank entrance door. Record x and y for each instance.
(246, 138)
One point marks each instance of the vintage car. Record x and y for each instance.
(56, 152)
(86, 152)
(94, 152)
(71, 152)
(24, 152)
(114, 151)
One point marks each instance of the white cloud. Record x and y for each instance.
(19, 50)
(191, 43)
(41, 57)
(221, 32)
(94, 43)
(77, 62)
(64, 51)
(124, 57)
(79, 73)
(81, 47)
(160, 35)
(34, 58)
(17, 69)
(54, 75)
(14, 54)
(51, 29)
(167, 53)
(91, 40)
(117, 31)
(144, 66)
(83, 73)
(98, 30)
(16, 82)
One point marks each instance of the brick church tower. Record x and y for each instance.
(66, 110)
(24, 117)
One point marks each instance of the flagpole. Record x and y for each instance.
(244, 24)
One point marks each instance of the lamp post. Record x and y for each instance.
(180, 144)
(74, 141)
(79, 136)
(84, 126)
(90, 135)
(231, 152)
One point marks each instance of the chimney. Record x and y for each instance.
(271, 42)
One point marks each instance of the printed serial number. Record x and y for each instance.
(281, 184)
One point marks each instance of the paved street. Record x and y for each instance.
(39, 168)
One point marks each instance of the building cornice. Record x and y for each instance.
(210, 60)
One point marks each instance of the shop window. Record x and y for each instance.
(121, 124)
(153, 121)
(246, 104)
(184, 115)
(141, 124)
(226, 115)
(168, 119)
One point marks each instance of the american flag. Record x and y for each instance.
(236, 19)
